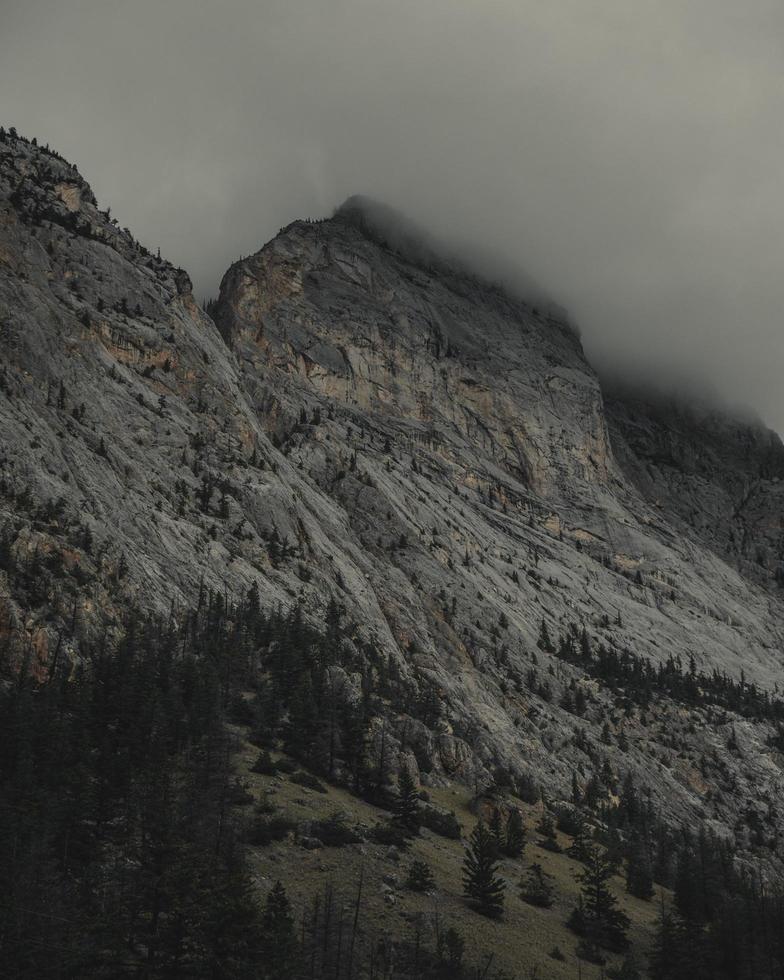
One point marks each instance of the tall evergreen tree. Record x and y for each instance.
(496, 829)
(581, 845)
(280, 944)
(481, 884)
(544, 642)
(597, 918)
(406, 804)
(514, 834)
(639, 874)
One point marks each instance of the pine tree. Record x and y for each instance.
(495, 826)
(667, 959)
(6, 552)
(420, 877)
(514, 836)
(580, 847)
(536, 888)
(544, 642)
(689, 899)
(353, 731)
(450, 947)
(628, 970)
(597, 918)
(406, 805)
(639, 876)
(546, 828)
(280, 944)
(481, 884)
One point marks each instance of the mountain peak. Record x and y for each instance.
(382, 435)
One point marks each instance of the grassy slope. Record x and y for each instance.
(521, 941)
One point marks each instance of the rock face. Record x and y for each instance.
(363, 423)
(717, 478)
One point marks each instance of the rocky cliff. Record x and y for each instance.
(720, 479)
(369, 424)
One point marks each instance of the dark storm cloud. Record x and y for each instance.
(627, 153)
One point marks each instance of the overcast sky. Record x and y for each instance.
(628, 153)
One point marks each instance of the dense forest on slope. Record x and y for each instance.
(125, 829)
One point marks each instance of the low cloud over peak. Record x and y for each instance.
(628, 158)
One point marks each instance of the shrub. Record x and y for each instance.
(264, 764)
(239, 794)
(569, 820)
(266, 805)
(536, 888)
(334, 831)
(265, 830)
(420, 877)
(546, 828)
(390, 833)
(528, 789)
(308, 780)
(441, 822)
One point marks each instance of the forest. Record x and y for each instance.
(123, 835)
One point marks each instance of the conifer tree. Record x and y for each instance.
(514, 835)
(668, 958)
(420, 877)
(629, 969)
(450, 947)
(353, 731)
(546, 828)
(406, 805)
(639, 875)
(576, 794)
(689, 899)
(280, 944)
(496, 828)
(597, 918)
(544, 642)
(481, 884)
(536, 887)
(580, 847)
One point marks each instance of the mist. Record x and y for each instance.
(627, 156)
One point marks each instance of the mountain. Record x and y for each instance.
(574, 586)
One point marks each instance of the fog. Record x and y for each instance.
(627, 155)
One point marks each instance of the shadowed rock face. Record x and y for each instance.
(449, 360)
(434, 454)
(717, 478)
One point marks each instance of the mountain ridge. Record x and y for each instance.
(433, 455)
